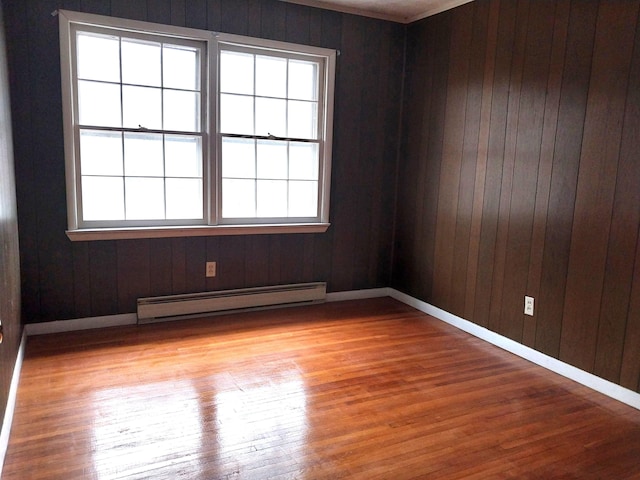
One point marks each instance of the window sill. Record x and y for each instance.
(93, 234)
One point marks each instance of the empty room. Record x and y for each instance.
(255, 239)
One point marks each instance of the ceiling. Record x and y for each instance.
(402, 11)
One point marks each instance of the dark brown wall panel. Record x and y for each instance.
(133, 272)
(234, 16)
(623, 237)
(128, 9)
(195, 13)
(103, 277)
(495, 165)
(158, 11)
(489, 63)
(159, 266)
(564, 174)
(62, 280)
(178, 13)
(531, 109)
(426, 74)
(475, 78)
(9, 256)
(548, 143)
(539, 176)
(99, 7)
(497, 320)
(419, 81)
(455, 114)
(274, 20)
(612, 51)
(82, 273)
(486, 58)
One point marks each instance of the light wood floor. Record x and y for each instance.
(360, 390)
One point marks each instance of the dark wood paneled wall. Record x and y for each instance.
(64, 280)
(520, 175)
(9, 256)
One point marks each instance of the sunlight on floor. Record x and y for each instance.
(161, 425)
(145, 425)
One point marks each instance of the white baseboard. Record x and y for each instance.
(358, 294)
(594, 382)
(87, 323)
(11, 402)
(60, 326)
(80, 324)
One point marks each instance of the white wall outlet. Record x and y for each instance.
(528, 305)
(211, 269)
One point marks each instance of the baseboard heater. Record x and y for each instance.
(171, 307)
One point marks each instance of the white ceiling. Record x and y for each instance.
(403, 11)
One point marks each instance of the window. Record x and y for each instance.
(172, 131)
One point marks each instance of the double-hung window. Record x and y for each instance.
(172, 131)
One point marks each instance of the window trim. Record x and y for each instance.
(212, 164)
(202, 132)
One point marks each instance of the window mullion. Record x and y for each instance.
(255, 157)
(124, 159)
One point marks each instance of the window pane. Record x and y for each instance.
(181, 111)
(98, 57)
(272, 198)
(141, 62)
(271, 76)
(143, 155)
(272, 159)
(100, 153)
(142, 107)
(184, 198)
(183, 156)
(238, 198)
(236, 72)
(303, 161)
(303, 199)
(303, 120)
(180, 67)
(271, 117)
(102, 198)
(236, 114)
(144, 198)
(238, 158)
(99, 104)
(303, 80)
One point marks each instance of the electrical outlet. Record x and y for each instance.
(211, 269)
(528, 306)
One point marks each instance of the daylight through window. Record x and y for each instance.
(169, 127)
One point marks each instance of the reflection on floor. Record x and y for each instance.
(365, 389)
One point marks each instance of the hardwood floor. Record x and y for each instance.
(364, 389)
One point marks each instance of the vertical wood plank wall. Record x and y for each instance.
(63, 280)
(519, 175)
(9, 263)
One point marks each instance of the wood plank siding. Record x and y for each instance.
(526, 179)
(9, 255)
(64, 280)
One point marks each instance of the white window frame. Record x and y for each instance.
(213, 223)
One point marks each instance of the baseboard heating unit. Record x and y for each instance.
(171, 307)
